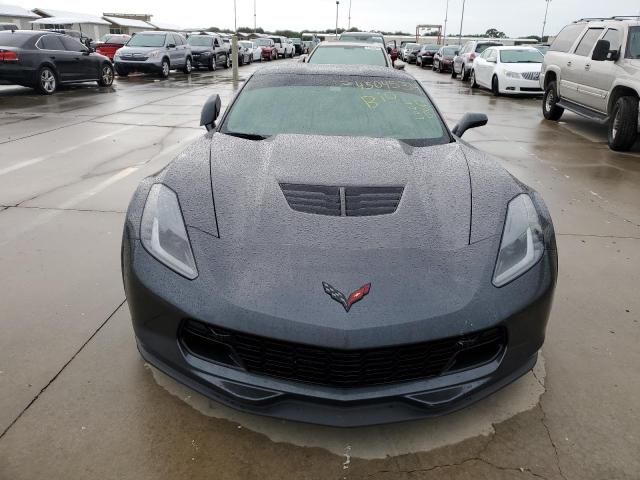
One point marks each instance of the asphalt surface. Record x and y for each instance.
(76, 400)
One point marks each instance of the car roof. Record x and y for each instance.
(362, 33)
(154, 32)
(351, 44)
(337, 70)
(514, 47)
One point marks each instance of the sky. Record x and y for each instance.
(514, 17)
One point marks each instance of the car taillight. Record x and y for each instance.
(472, 55)
(8, 56)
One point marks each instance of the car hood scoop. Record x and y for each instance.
(286, 190)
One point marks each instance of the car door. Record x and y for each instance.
(219, 54)
(85, 66)
(599, 75)
(55, 52)
(576, 73)
(182, 48)
(172, 50)
(459, 59)
(485, 64)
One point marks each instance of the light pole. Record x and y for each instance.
(349, 24)
(254, 17)
(235, 18)
(461, 20)
(544, 22)
(446, 17)
(337, 5)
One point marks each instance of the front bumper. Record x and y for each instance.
(158, 312)
(201, 60)
(520, 86)
(147, 66)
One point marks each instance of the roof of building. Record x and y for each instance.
(75, 17)
(165, 26)
(127, 22)
(16, 11)
(68, 21)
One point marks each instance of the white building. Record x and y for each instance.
(127, 26)
(92, 26)
(17, 15)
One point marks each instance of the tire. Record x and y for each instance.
(472, 79)
(453, 72)
(623, 126)
(550, 110)
(464, 76)
(212, 64)
(187, 66)
(227, 62)
(106, 76)
(165, 68)
(122, 73)
(433, 66)
(495, 86)
(47, 81)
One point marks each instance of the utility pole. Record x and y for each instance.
(337, 5)
(235, 18)
(544, 22)
(349, 24)
(461, 20)
(446, 17)
(234, 44)
(254, 17)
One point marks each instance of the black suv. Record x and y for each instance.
(209, 51)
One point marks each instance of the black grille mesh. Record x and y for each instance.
(366, 201)
(342, 368)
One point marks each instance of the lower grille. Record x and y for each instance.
(531, 75)
(528, 89)
(341, 368)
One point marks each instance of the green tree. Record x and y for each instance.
(494, 33)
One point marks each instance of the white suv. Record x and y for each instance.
(593, 69)
(285, 46)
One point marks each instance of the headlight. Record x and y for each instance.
(163, 233)
(512, 74)
(522, 241)
(154, 53)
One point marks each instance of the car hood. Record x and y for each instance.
(138, 50)
(200, 49)
(261, 265)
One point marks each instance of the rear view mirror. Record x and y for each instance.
(469, 120)
(210, 112)
(601, 50)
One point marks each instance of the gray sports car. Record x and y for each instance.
(330, 252)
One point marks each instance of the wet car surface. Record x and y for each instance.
(77, 396)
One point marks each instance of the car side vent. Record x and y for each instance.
(316, 199)
(368, 201)
(342, 201)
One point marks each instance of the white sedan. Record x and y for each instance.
(255, 49)
(508, 70)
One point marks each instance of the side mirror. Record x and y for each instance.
(469, 120)
(210, 112)
(86, 51)
(601, 51)
(303, 58)
(457, 52)
(171, 45)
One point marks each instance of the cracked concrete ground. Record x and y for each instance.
(78, 402)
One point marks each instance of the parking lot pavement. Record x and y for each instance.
(78, 402)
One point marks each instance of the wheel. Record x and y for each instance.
(47, 81)
(472, 79)
(106, 76)
(495, 86)
(212, 64)
(227, 62)
(464, 75)
(122, 73)
(623, 126)
(453, 71)
(433, 66)
(164, 71)
(187, 66)
(550, 110)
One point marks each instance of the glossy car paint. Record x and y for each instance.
(261, 266)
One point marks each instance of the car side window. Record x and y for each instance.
(72, 45)
(50, 42)
(216, 43)
(492, 56)
(566, 38)
(588, 41)
(614, 39)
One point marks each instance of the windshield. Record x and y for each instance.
(147, 40)
(449, 51)
(349, 55)
(335, 105)
(481, 47)
(361, 37)
(521, 56)
(245, 44)
(409, 46)
(633, 43)
(200, 41)
(262, 42)
(296, 41)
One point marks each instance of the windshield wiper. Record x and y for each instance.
(248, 136)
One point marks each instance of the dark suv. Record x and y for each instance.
(208, 51)
(464, 60)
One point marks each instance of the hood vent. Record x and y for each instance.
(342, 201)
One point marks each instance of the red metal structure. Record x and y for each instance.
(439, 27)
